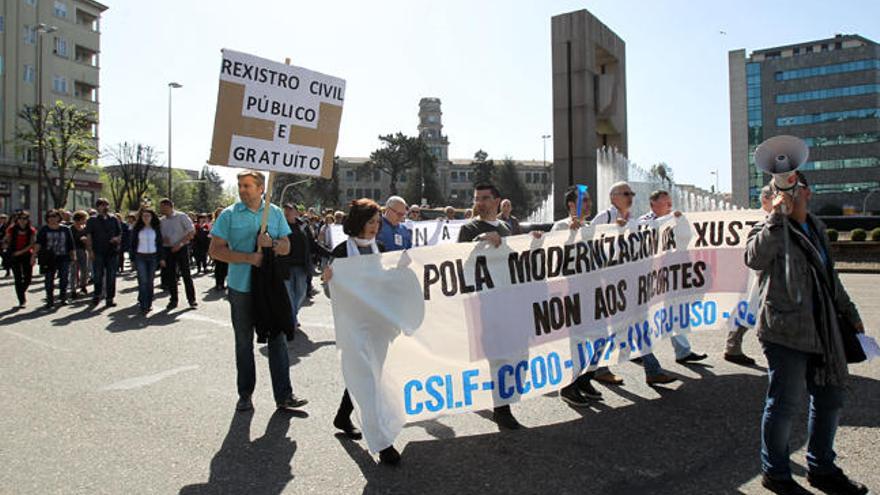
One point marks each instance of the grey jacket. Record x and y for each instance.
(782, 320)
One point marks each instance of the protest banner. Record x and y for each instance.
(462, 327)
(276, 117)
(425, 232)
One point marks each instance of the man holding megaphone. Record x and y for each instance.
(802, 323)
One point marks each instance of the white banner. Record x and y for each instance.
(425, 233)
(462, 327)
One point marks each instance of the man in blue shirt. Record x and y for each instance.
(234, 240)
(393, 234)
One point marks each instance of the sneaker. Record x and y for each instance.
(691, 358)
(504, 418)
(292, 402)
(244, 404)
(389, 456)
(588, 390)
(837, 483)
(659, 379)
(609, 379)
(344, 423)
(783, 487)
(572, 396)
(739, 359)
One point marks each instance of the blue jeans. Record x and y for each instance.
(60, 268)
(243, 323)
(104, 272)
(790, 372)
(652, 365)
(145, 264)
(296, 290)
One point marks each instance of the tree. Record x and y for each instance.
(422, 178)
(512, 188)
(662, 173)
(134, 169)
(209, 192)
(317, 191)
(484, 169)
(392, 159)
(64, 134)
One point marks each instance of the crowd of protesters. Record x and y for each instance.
(89, 247)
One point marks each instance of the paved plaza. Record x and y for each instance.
(106, 401)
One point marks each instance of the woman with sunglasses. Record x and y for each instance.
(21, 237)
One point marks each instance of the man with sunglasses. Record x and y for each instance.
(393, 233)
(620, 212)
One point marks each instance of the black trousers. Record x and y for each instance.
(221, 269)
(23, 271)
(346, 406)
(177, 265)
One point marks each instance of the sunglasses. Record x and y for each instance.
(627, 193)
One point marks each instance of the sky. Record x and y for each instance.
(488, 61)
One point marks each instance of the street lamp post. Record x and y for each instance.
(715, 173)
(40, 29)
(284, 189)
(171, 85)
(544, 139)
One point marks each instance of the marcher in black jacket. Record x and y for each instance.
(361, 225)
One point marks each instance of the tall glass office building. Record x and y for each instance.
(826, 92)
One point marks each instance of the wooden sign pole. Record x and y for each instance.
(267, 192)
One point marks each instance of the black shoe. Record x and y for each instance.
(244, 404)
(344, 423)
(95, 301)
(739, 359)
(836, 483)
(63, 302)
(572, 396)
(637, 360)
(691, 358)
(193, 304)
(504, 418)
(783, 487)
(589, 391)
(48, 305)
(171, 305)
(110, 303)
(292, 402)
(389, 456)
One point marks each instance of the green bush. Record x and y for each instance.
(875, 234)
(832, 235)
(858, 235)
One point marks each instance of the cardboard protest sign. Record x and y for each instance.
(276, 117)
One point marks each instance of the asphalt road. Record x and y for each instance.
(108, 402)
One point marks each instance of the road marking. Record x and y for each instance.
(143, 381)
(35, 341)
(206, 319)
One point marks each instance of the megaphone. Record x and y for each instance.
(780, 156)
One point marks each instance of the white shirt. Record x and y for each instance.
(608, 216)
(147, 241)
